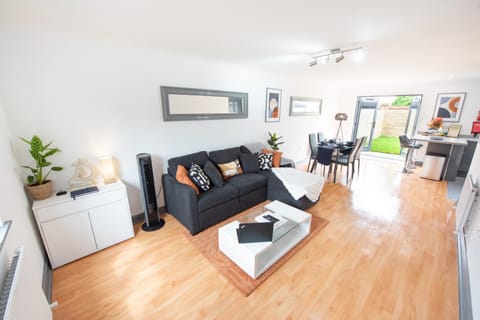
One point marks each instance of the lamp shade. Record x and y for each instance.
(108, 169)
(341, 116)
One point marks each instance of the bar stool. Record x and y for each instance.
(411, 146)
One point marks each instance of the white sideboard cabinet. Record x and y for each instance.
(72, 229)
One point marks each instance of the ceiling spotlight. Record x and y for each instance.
(337, 53)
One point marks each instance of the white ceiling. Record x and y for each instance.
(404, 40)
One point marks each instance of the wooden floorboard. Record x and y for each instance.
(388, 252)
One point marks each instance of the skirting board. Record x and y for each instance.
(47, 279)
(140, 217)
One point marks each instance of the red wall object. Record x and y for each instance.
(476, 127)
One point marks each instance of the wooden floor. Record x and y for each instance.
(389, 252)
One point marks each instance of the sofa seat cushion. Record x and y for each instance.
(216, 196)
(248, 182)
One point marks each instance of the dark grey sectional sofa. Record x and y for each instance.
(238, 193)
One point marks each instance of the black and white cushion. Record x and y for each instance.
(199, 177)
(265, 161)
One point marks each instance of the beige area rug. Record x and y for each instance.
(207, 242)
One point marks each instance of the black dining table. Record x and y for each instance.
(340, 148)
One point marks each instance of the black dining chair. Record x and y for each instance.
(359, 153)
(320, 136)
(324, 157)
(347, 159)
(312, 141)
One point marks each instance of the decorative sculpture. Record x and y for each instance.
(83, 176)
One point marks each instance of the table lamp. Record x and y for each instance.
(108, 169)
(340, 117)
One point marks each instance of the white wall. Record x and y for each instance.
(471, 107)
(30, 301)
(94, 97)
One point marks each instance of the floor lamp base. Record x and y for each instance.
(340, 129)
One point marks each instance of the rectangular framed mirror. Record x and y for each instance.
(180, 104)
(305, 106)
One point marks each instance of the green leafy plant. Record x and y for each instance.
(402, 101)
(40, 153)
(274, 141)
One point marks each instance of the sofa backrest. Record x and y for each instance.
(225, 155)
(199, 158)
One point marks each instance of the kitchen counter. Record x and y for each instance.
(451, 148)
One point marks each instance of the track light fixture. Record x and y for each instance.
(336, 53)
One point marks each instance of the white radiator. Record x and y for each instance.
(10, 283)
(466, 209)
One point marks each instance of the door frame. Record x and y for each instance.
(358, 110)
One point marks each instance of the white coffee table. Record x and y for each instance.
(256, 258)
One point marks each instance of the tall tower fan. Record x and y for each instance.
(148, 194)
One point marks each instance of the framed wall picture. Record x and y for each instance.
(454, 130)
(273, 105)
(305, 106)
(449, 106)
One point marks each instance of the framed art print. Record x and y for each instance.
(449, 106)
(272, 105)
(454, 130)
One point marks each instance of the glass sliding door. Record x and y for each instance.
(365, 120)
(383, 118)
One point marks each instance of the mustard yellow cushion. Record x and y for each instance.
(230, 169)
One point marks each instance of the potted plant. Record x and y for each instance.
(274, 141)
(38, 186)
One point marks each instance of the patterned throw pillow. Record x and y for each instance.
(230, 169)
(182, 177)
(277, 157)
(199, 177)
(265, 161)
